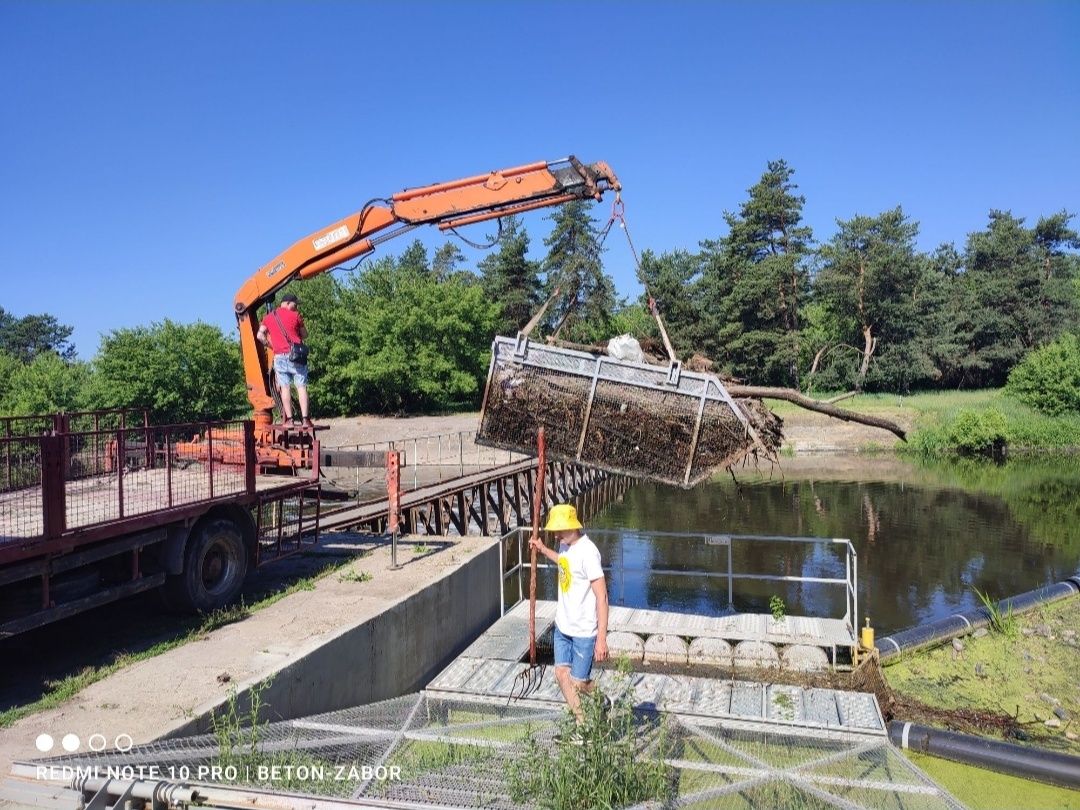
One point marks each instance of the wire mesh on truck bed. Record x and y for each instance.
(646, 421)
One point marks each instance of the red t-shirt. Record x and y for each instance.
(291, 320)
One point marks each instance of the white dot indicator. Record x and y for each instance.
(44, 743)
(123, 743)
(97, 742)
(71, 742)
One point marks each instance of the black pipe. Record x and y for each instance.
(1062, 770)
(958, 624)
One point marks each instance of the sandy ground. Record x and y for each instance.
(440, 436)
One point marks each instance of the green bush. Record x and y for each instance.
(977, 431)
(1048, 379)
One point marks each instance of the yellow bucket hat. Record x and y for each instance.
(561, 518)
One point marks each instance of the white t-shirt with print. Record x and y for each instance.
(579, 565)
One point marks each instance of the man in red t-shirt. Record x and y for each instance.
(280, 328)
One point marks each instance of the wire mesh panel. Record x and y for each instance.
(286, 524)
(419, 751)
(630, 418)
(113, 474)
(20, 489)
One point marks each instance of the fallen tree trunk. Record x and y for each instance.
(791, 395)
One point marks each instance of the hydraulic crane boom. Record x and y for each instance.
(447, 205)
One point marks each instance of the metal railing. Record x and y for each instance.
(456, 451)
(60, 482)
(515, 562)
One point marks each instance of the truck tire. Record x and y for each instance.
(215, 564)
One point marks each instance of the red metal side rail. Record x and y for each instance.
(61, 490)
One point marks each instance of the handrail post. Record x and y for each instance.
(53, 489)
(250, 460)
(393, 492)
(855, 589)
(730, 576)
(120, 472)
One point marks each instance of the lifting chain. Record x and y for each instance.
(618, 214)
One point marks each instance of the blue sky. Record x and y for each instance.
(153, 155)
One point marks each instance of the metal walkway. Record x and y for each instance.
(488, 502)
(489, 668)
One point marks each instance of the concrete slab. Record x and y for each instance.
(340, 644)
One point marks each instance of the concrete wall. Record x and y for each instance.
(394, 653)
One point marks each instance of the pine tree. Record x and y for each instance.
(446, 260)
(755, 282)
(1017, 292)
(510, 279)
(870, 283)
(588, 300)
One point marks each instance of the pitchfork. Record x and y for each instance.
(530, 678)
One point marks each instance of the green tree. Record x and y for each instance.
(27, 337)
(415, 258)
(510, 279)
(573, 264)
(181, 372)
(755, 282)
(1017, 292)
(870, 283)
(398, 340)
(446, 260)
(46, 384)
(672, 279)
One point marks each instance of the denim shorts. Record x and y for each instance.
(288, 372)
(575, 652)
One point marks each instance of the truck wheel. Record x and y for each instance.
(215, 564)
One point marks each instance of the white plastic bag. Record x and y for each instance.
(625, 347)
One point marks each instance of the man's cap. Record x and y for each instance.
(289, 297)
(562, 517)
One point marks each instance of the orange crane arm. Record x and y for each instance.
(448, 205)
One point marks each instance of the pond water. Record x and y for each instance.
(926, 535)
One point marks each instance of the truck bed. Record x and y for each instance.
(99, 500)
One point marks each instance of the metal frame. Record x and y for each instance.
(701, 388)
(490, 502)
(850, 582)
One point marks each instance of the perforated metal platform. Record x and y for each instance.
(489, 669)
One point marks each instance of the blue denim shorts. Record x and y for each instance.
(575, 652)
(288, 372)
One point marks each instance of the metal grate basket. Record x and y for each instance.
(655, 422)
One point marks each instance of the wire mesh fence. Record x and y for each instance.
(427, 460)
(58, 482)
(20, 488)
(422, 750)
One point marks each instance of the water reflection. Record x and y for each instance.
(925, 535)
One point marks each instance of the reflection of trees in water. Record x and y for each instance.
(923, 543)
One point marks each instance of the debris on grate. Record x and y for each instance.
(646, 421)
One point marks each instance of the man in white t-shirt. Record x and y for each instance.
(581, 618)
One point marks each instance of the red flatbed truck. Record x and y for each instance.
(97, 506)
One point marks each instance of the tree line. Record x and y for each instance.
(767, 302)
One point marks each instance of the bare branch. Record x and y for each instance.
(791, 395)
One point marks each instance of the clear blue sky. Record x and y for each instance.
(154, 154)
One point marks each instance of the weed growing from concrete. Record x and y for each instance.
(777, 608)
(614, 758)
(243, 752)
(355, 576)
